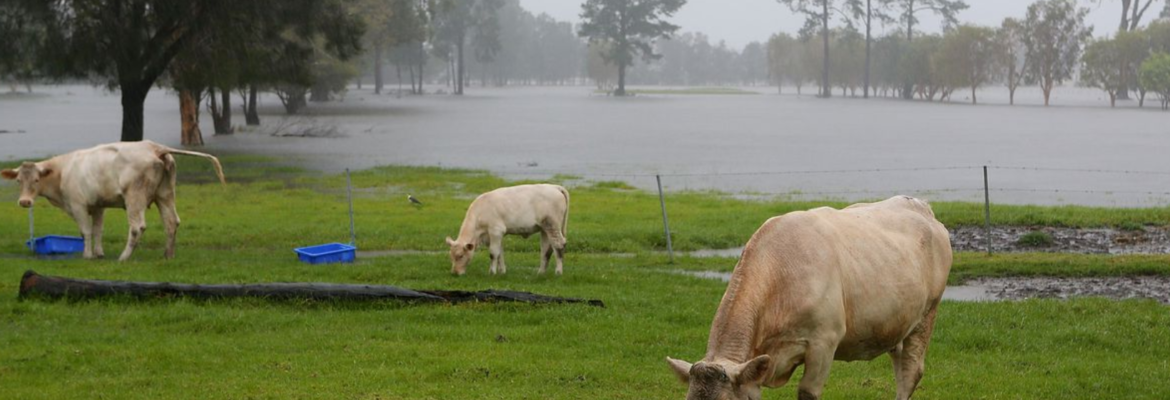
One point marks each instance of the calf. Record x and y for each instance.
(84, 183)
(822, 285)
(518, 210)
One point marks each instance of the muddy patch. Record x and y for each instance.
(1007, 239)
(996, 289)
(1118, 288)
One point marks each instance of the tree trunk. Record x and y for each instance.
(251, 115)
(868, 40)
(1112, 100)
(378, 67)
(189, 116)
(621, 90)
(973, 95)
(1011, 95)
(132, 114)
(459, 67)
(226, 95)
(826, 89)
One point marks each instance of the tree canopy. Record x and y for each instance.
(630, 27)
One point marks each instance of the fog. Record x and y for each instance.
(740, 22)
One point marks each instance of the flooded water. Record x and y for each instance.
(758, 145)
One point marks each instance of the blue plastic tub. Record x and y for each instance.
(53, 244)
(327, 253)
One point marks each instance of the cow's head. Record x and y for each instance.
(722, 381)
(460, 255)
(29, 176)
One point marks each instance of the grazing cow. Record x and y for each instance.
(517, 210)
(85, 182)
(822, 285)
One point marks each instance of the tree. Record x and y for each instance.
(966, 58)
(1155, 77)
(455, 20)
(129, 43)
(818, 13)
(1101, 67)
(20, 48)
(907, 11)
(888, 53)
(848, 51)
(1053, 33)
(915, 67)
(1132, 12)
(868, 13)
(603, 74)
(1012, 54)
(630, 27)
(784, 54)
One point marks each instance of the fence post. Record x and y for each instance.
(349, 197)
(32, 236)
(987, 209)
(665, 221)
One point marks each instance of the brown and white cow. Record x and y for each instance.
(517, 210)
(822, 285)
(85, 182)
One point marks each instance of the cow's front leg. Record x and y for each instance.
(817, 362)
(496, 250)
(136, 218)
(85, 225)
(99, 219)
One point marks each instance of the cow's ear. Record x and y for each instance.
(46, 172)
(754, 371)
(682, 369)
(470, 246)
(450, 242)
(8, 174)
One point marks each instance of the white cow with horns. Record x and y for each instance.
(131, 175)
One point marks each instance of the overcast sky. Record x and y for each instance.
(742, 21)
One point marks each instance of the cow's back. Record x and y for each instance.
(101, 175)
(519, 206)
(871, 270)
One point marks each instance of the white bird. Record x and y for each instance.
(413, 200)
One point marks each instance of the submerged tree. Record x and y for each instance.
(966, 58)
(455, 20)
(818, 13)
(1011, 52)
(1054, 31)
(629, 27)
(1155, 77)
(908, 10)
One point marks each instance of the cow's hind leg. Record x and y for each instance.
(545, 251)
(170, 219)
(165, 200)
(910, 357)
(556, 243)
(136, 218)
(99, 219)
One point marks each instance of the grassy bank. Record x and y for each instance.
(175, 349)
(276, 207)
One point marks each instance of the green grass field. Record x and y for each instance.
(256, 349)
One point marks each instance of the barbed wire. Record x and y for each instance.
(1081, 170)
(743, 173)
(1082, 191)
(873, 192)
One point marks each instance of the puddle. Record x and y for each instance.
(998, 289)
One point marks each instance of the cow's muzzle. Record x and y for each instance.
(26, 203)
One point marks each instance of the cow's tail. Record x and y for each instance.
(565, 220)
(214, 161)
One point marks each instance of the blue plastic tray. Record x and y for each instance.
(327, 253)
(53, 244)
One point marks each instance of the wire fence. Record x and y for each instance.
(974, 183)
